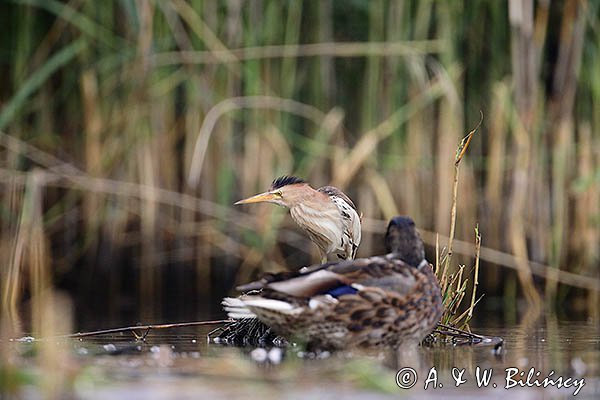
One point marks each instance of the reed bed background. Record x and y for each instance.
(128, 129)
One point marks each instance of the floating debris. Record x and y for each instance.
(579, 366)
(275, 355)
(110, 348)
(450, 334)
(154, 349)
(259, 354)
(82, 351)
(25, 339)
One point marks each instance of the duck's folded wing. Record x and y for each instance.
(265, 280)
(318, 282)
(305, 284)
(269, 278)
(385, 272)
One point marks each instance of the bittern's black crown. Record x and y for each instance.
(285, 180)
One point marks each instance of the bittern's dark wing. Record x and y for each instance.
(332, 191)
(350, 219)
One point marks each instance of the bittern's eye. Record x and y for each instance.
(279, 193)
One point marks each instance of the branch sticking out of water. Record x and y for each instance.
(145, 328)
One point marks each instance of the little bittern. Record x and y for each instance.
(326, 214)
(386, 300)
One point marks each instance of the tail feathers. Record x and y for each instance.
(270, 304)
(238, 308)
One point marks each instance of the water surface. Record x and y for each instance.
(179, 363)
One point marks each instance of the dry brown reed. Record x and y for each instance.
(453, 282)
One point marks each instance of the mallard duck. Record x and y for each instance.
(327, 215)
(383, 300)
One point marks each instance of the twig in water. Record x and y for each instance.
(146, 328)
(462, 337)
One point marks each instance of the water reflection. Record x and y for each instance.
(180, 363)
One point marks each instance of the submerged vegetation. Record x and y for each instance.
(128, 128)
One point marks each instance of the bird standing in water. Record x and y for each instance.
(383, 300)
(326, 214)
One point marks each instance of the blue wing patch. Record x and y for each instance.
(342, 290)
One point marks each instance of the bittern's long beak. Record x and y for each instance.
(259, 198)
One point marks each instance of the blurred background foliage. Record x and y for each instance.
(128, 128)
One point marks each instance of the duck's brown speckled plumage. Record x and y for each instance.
(383, 300)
